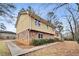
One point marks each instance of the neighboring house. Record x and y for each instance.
(7, 35)
(30, 26)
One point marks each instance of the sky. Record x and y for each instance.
(41, 10)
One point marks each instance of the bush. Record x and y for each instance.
(68, 39)
(56, 39)
(50, 40)
(78, 40)
(37, 42)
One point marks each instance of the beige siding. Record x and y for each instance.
(23, 23)
(42, 27)
(26, 22)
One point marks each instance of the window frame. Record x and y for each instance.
(37, 22)
(40, 35)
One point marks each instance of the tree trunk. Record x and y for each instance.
(75, 33)
(71, 29)
(61, 36)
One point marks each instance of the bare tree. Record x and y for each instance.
(64, 4)
(2, 27)
(50, 15)
(59, 28)
(59, 25)
(30, 9)
(68, 18)
(75, 23)
(6, 10)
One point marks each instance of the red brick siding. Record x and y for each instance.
(34, 35)
(23, 36)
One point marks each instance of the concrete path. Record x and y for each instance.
(15, 50)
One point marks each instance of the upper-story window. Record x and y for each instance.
(37, 23)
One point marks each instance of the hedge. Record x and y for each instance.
(78, 40)
(37, 42)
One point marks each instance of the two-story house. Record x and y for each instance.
(30, 26)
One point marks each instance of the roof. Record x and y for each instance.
(7, 32)
(35, 17)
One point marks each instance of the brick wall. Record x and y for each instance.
(34, 35)
(23, 36)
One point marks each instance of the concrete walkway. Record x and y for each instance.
(15, 50)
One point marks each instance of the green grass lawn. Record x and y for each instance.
(4, 51)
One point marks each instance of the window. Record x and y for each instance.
(37, 23)
(40, 35)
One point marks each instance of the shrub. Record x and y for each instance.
(56, 39)
(50, 40)
(78, 40)
(68, 39)
(37, 42)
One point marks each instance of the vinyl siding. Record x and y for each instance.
(26, 22)
(23, 23)
(42, 27)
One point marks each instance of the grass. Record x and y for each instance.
(4, 51)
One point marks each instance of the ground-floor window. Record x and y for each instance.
(40, 35)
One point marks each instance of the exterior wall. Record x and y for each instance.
(26, 22)
(7, 36)
(42, 27)
(23, 37)
(23, 23)
(34, 35)
(27, 36)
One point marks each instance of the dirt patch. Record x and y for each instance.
(66, 48)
